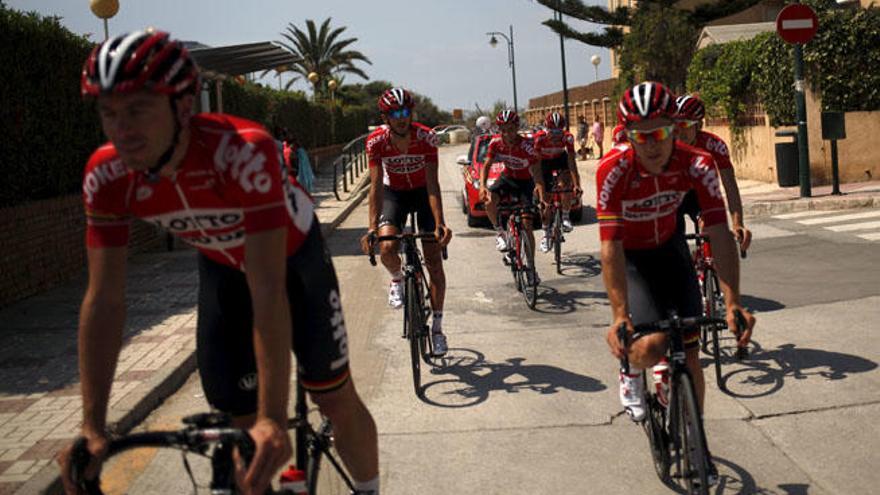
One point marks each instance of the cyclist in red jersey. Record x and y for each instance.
(216, 182)
(689, 114)
(646, 265)
(521, 174)
(555, 146)
(403, 179)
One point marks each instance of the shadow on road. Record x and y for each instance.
(580, 265)
(759, 304)
(473, 378)
(735, 480)
(552, 301)
(763, 373)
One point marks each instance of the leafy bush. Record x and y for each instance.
(48, 131)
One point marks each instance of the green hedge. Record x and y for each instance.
(840, 66)
(48, 131)
(309, 121)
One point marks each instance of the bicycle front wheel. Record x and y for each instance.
(528, 272)
(712, 296)
(413, 320)
(653, 425)
(691, 438)
(557, 240)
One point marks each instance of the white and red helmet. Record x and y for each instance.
(555, 120)
(689, 107)
(395, 99)
(507, 116)
(645, 101)
(139, 60)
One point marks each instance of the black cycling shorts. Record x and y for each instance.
(662, 279)
(518, 189)
(224, 338)
(559, 163)
(397, 205)
(689, 206)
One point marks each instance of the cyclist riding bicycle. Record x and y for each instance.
(646, 267)
(521, 174)
(688, 116)
(216, 182)
(555, 145)
(403, 179)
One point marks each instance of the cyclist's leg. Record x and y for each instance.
(492, 206)
(549, 182)
(432, 251)
(224, 341)
(644, 308)
(390, 222)
(526, 192)
(321, 346)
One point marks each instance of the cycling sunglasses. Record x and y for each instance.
(400, 113)
(686, 124)
(642, 137)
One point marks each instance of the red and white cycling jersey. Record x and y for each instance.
(553, 143)
(618, 135)
(229, 184)
(639, 208)
(716, 147)
(403, 171)
(516, 159)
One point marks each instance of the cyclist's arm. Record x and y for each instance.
(376, 178)
(484, 172)
(101, 320)
(265, 257)
(434, 197)
(734, 202)
(572, 167)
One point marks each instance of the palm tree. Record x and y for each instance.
(320, 50)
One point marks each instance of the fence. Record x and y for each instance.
(350, 164)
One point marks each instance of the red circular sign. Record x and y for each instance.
(797, 23)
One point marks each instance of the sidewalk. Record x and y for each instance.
(764, 198)
(40, 406)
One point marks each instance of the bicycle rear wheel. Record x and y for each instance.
(692, 439)
(711, 296)
(528, 272)
(413, 321)
(557, 240)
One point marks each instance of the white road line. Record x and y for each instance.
(808, 213)
(841, 218)
(871, 237)
(855, 226)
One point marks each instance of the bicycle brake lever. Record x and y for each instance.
(79, 461)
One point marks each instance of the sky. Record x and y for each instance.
(437, 48)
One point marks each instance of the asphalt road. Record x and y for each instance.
(527, 402)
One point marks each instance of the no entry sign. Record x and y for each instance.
(797, 23)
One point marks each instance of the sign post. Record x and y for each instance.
(797, 24)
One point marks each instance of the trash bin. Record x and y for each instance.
(787, 160)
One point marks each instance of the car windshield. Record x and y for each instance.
(482, 150)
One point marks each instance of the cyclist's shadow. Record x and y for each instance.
(733, 479)
(473, 378)
(763, 373)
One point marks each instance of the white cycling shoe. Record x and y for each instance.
(395, 294)
(545, 245)
(439, 341)
(632, 395)
(566, 225)
(501, 242)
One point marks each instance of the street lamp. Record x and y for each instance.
(596, 60)
(104, 9)
(278, 71)
(493, 42)
(557, 14)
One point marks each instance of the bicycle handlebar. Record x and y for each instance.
(191, 439)
(705, 238)
(399, 237)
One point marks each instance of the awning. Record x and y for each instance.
(233, 60)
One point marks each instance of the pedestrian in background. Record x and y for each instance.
(598, 133)
(582, 137)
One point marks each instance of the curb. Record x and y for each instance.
(766, 208)
(152, 392)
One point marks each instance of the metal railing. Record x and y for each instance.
(350, 164)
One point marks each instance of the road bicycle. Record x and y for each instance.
(675, 433)
(713, 304)
(416, 298)
(554, 229)
(521, 253)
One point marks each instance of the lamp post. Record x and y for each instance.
(557, 14)
(493, 42)
(313, 78)
(596, 60)
(278, 71)
(104, 9)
